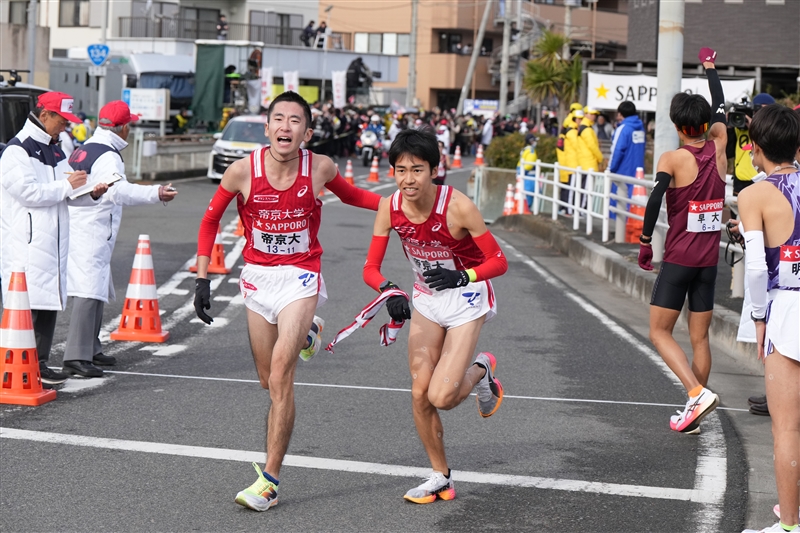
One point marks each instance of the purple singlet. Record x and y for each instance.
(783, 262)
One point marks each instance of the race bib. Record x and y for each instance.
(281, 243)
(789, 269)
(705, 216)
(424, 258)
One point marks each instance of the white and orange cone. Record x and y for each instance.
(348, 173)
(633, 226)
(373, 171)
(508, 204)
(141, 320)
(479, 156)
(216, 264)
(520, 202)
(457, 158)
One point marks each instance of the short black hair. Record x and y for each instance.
(291, 96)
(690, 113)
(627, 109)
(419, 143)
(776, 130)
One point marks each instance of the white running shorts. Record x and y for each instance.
(783, 324)
(267, 290)
(451, 308)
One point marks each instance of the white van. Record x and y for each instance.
(241, 136)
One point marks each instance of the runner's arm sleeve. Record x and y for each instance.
(653, 208)
(717, 97)
(495, 263)
(372, 268)
(208, 226)
(757, 275)
(352, 195)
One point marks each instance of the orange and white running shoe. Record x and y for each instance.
(436, 487)
(489, 389)
(696, 409)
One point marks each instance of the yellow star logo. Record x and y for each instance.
(602, 91)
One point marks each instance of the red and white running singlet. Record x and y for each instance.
(281, 226)
(430, 245)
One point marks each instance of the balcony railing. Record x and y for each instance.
(176, 28)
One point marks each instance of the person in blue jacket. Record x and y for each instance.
(627, 147)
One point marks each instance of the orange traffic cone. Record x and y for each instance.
(348, 173)
(390, 174)
(508, 204)
(479, 156)
(634, 227)
(140, 317)
(217, 263)
(239, 229)
(373, 171)
(19, 360)
(457, 158)
(520, 202)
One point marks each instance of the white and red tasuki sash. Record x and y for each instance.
(388, 331)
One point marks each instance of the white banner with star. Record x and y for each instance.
(607, 91)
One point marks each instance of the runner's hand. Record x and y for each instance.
(396, 305)
(442, 278)
(646, 256)
(202, 299)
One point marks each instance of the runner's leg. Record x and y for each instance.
(662, 323)
(701, 350)
(455, 376)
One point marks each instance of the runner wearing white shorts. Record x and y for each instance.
(268, 290)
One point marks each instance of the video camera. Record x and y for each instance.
(737, 114)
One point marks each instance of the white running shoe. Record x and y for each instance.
(314, 339)
(437, 486)
(774, 528)
(696, 409)
(489, 390)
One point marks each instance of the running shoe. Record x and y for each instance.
(774, 528)
(777, 511)
(489, 389)
(314, 339)
(693, 429)
(437, 486)
(696, 409)
(259, 496)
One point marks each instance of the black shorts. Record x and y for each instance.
(674, 282)
(740, 185)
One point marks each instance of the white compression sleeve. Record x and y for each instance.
(757, 276)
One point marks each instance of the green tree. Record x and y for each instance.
(550, 75)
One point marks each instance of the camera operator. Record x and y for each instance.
(739, 139)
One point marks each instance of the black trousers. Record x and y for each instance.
(44, 326)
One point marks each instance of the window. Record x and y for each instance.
(394, 44)
(403, 44)
(361, 42)
(139, 8)
(18, 13)
(374, 43)
(390, 44)
(73, 13)
(486, 46)
(449, 43)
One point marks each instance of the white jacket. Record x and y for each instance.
(34, 220)
(94, 228)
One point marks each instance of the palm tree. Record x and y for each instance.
(549, 75)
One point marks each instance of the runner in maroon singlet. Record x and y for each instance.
(276, 190)
(453, 256)
(692, 178)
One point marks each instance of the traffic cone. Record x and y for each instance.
(520, 203)
(508, 204)
(457, 158)
(479, 156)
(217, 263)
(634, 227)
(390, 174)
(348, 173)
(19, 360)
(373, 171)
(140, 317)
(239, 229)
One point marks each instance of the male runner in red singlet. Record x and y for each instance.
(693, 179)
(276, 190)
(453, 256)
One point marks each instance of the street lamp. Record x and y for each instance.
(325, 51)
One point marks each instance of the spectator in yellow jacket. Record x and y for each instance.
(527, 161)
(589, 155)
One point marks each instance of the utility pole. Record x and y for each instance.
(325, 53)
(518, 70)
(101, 82)
(32, 18)
(504, 61)
(473, 60)
(567, 28)
(670, 72)
(411, 90)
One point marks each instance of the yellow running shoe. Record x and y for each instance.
(314, 339)
(259, 496)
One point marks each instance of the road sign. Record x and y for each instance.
(149, 104)
(97, 71)
(98, 53)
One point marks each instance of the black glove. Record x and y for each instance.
(396, 305)
(442, 278)
(202, 299)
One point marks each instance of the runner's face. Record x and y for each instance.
(287, 128)
(414, 177)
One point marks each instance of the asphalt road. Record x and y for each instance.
(581, 442)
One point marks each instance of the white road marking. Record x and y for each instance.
(233, 280)
(615, 489)
(218, 322)
(164, 350)
(80, 385)
(172, 283)
(712, 463)
(223, 298)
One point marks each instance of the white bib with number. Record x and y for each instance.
(424, 258)
(281, 243)
(789, 269)
(705, 216)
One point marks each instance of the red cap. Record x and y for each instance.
(116, 113)
(58, 103)
(443, 122)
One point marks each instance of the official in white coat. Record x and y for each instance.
(34, 222)
(95, 229)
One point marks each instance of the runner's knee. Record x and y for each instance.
(443, 398)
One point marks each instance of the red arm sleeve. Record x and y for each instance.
(210, 222)
(352, 195)
(372, 268)
(495, 263)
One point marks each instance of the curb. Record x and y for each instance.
(628, 277)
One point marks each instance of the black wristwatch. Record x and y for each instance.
(756, 319)
(644, 239)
